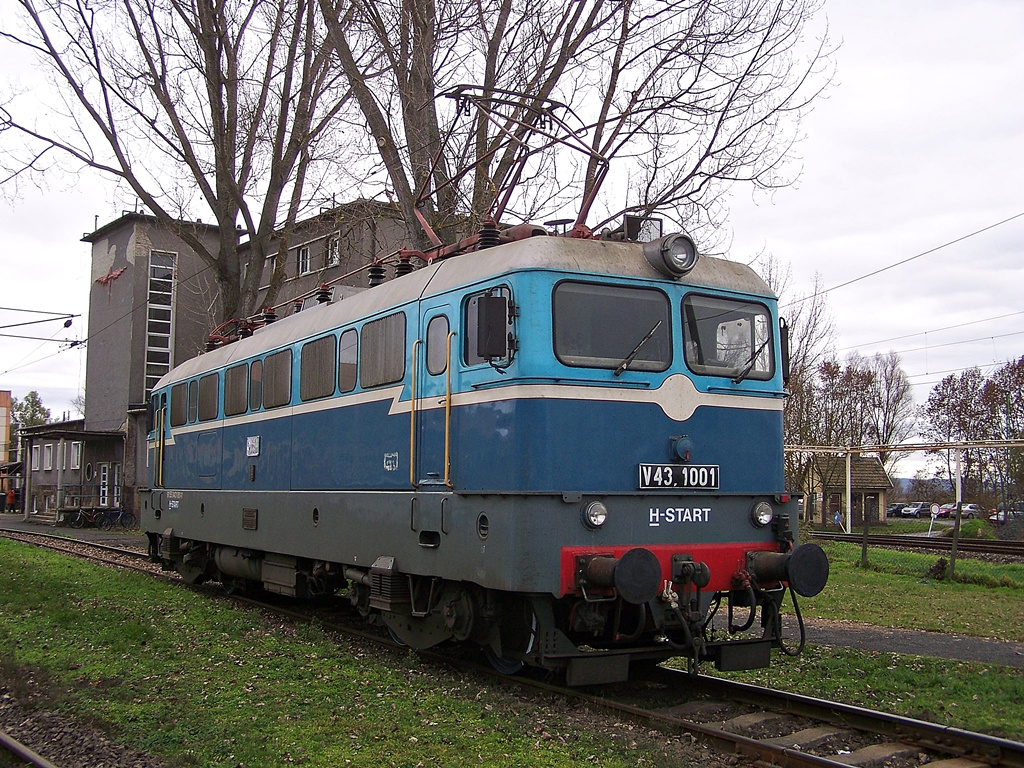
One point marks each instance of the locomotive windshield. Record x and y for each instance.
(605, 326)
(728, 338)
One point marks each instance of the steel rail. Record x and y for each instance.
(984, 546)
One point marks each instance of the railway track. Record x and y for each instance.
(929, 543)
(757, 724)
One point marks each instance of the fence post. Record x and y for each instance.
(864, 541)
(956, 524)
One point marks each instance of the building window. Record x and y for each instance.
(104, 487)
(302, 265)
(76, 455)
(332, 256)
(382, 357)
(48, 456)
(159, 320)
(35, 457)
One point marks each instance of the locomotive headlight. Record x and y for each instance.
(761, 514)
(672, 255)
(594, 515)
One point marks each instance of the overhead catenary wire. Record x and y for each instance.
(904, 261)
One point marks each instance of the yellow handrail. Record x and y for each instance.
(160, 446)
(448, 412)
(412, 420)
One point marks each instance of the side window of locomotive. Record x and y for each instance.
(236, 390)
(277, 379)
(209, 396)
(348, 347)
(255, 385)
(317, 365)
(471, 324)
(612, 326)
(724, 337)
(179, 403)
(193, 401)
(382, 356)
(437, 345)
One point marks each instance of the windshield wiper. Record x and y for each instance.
(629, 358)
(749, 365)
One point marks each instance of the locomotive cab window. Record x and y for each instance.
(612, 326)
(728, 338)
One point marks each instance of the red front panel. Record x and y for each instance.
(723, 560)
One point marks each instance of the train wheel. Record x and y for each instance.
(504, 665)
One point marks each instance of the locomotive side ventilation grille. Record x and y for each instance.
(388, 587)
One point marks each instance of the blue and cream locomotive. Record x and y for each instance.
(568, 451)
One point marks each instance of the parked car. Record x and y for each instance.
(947, 510)
(916, 509)
(971, 511)
(1007, 513)
(893, 510)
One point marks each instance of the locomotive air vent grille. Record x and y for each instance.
(250, 518)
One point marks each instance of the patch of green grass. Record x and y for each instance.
(968, 570)
(205, 684)
(895, 592)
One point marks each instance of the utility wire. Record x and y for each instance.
(905, 261)
(933, 330)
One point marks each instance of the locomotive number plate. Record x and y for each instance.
(702, 477)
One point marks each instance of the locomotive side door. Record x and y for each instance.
(433, 355)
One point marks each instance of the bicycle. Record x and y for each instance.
(113, 517)
(90, 516)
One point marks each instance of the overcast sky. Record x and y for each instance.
(918, 143)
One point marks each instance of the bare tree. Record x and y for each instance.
(222, 106)
(892, 414)
(697, 94)
(958, 409)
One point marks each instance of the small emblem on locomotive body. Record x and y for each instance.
(391, 461)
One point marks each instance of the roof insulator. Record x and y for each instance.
(376, 274)
(488, 234)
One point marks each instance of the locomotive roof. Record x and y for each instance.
(582, 257)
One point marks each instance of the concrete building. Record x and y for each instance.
(152, 305)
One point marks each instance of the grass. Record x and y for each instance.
(206, 684)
